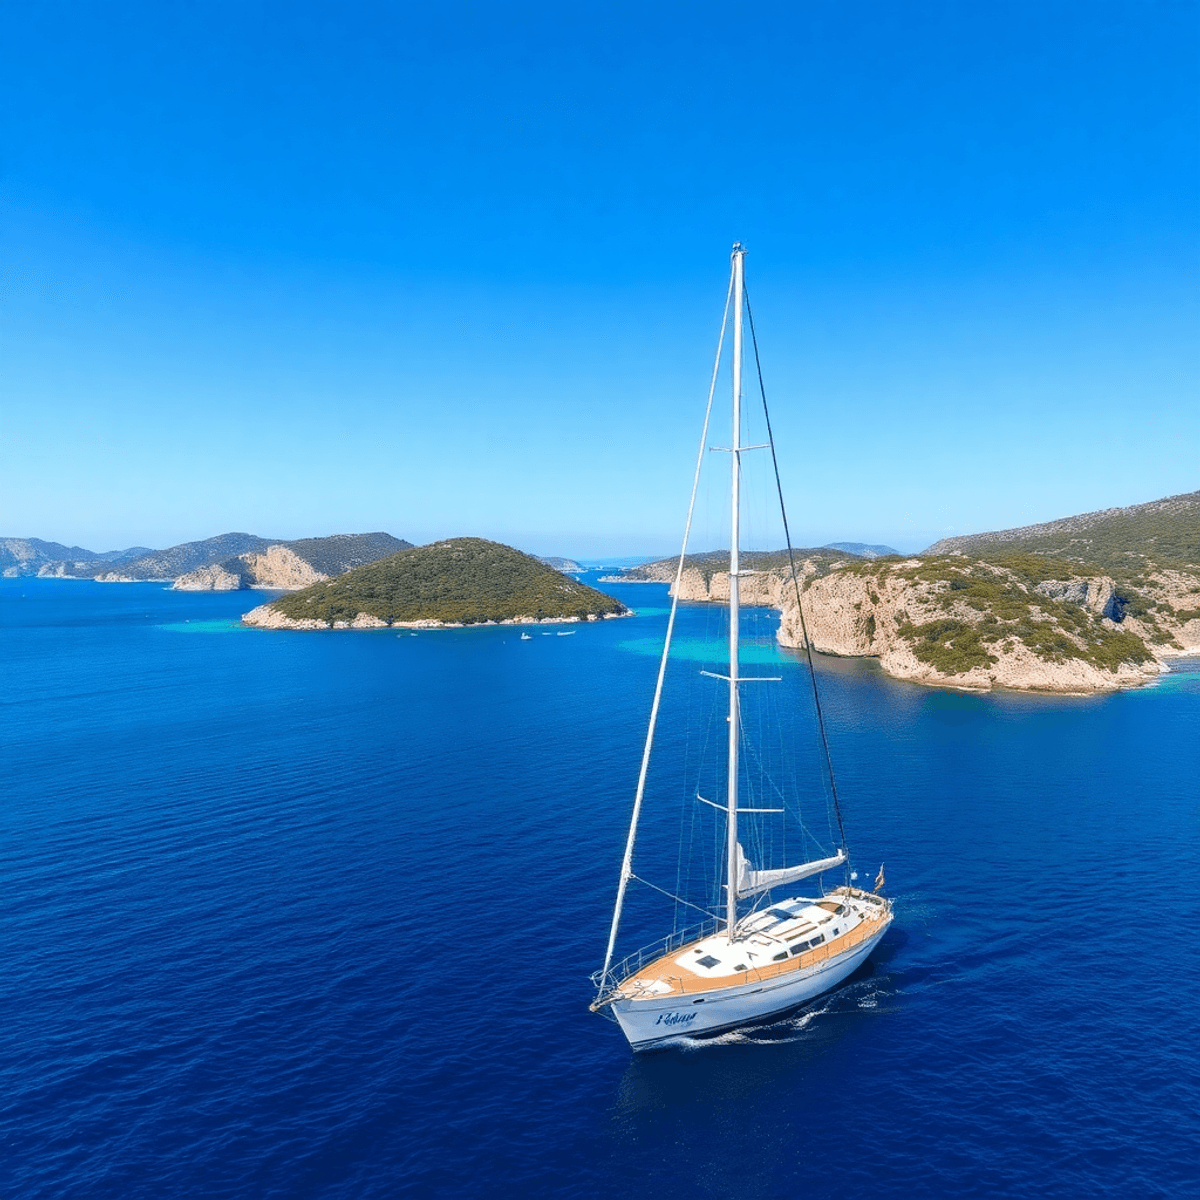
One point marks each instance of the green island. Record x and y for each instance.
(461, 581)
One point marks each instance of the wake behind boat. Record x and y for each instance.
(739, 967)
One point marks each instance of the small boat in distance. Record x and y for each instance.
(526, 637)
(780, 949)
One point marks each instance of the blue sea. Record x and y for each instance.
(312, 915)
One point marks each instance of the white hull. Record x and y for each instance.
(651, 1022)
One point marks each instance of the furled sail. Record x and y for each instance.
(751, 882)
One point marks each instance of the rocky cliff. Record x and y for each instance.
(187, 556)
(1027, 622)
(288, 566)
(973, 624)
(276, 567)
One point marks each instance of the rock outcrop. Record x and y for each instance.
(277, 568)
(1094, 602)
(191, 556)
(1052, 636)
(1028, 623)
(289, 566)
(220, 577)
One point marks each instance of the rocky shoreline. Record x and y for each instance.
(967, 624)
(267, 617)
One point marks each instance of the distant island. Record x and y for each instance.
(863, 549)
(227, 562)
(568, 566)
(33, 556)
(462, 581)
(295, 564)
(1087, 603)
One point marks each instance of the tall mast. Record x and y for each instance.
(735, 456)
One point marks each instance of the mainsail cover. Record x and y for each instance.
(751, 882)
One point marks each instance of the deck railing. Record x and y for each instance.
(607, 986)
(633, 963)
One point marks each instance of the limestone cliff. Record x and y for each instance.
(289, 566)
(975, 625)
(1027, 622)
(277, 567)
(220, 577)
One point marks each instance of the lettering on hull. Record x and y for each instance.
(674, 1018)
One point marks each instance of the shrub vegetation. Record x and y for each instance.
(1011, 613)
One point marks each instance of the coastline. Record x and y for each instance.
(266, 617)
(857, 614)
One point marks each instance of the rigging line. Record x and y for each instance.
(627, 861)
(795, 811)
(812, 674)
(677, 899)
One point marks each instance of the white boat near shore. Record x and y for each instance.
(779, 949)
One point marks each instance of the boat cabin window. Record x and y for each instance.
(780, 914)
(709, 961)
(817, 940)
(781, 956)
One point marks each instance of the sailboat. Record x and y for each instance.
(771, 949)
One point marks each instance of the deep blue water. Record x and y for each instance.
(312, 915)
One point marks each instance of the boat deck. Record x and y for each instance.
(767, 947)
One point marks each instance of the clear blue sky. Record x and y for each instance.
(456, 268)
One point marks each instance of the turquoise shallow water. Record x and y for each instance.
(311, 915)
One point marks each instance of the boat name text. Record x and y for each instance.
(674, 1018)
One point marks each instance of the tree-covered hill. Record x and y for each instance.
(188, 556)
(460, 581)
(1162, 533)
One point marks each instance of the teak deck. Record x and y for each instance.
(681, 981)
